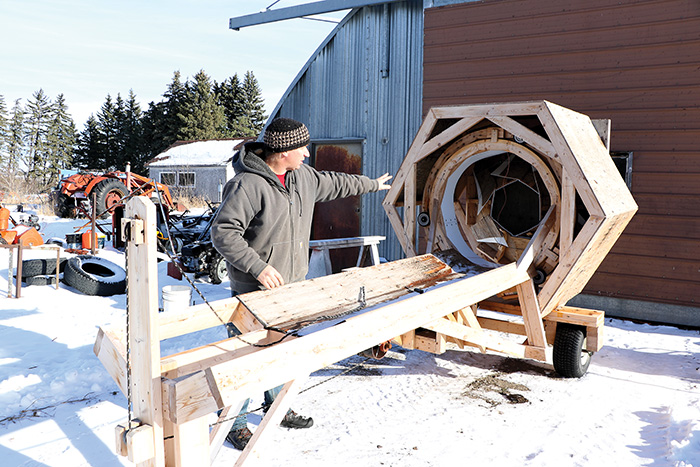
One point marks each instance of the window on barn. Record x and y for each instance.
(623, 162)
(185, 179)
(167, 178)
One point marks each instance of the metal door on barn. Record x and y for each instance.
(339, 218)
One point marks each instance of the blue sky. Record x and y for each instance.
(88, 49)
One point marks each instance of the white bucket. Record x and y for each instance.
(176, 297)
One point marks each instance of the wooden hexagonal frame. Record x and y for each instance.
(567, 152)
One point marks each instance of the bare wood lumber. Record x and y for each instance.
(191, 361)
(199, 317)
(197, 394)
(513, 108)
(531, 314)
(543, 145)
(110, 349)
(191, 442)
(288, 307)
(144, 339)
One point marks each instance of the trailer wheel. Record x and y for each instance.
(93, 275)
(217, 269)
(571, 359)
(108, 193)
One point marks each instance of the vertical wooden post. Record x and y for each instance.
(144, 341)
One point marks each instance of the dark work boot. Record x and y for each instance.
(239, 438)
(294, 420)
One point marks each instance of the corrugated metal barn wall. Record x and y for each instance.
(636, 62)
(364, 82)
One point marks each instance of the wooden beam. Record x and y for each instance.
(568, 213)
(110, 348)
(197, 395)
(199, 317)
(191, 361)
(541, 144)
(487, 110)
(144, 340)
(448, 135)
(531, 314)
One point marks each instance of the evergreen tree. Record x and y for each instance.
(109, 142)
(252, 119)
(205, 119)
(36, 131)
(4, 129)
(61, 140)
(132, 128)
(228, 96)
(88, 153)
(15, 140)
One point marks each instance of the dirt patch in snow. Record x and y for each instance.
(482, 388)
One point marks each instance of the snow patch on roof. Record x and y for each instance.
(213, 152)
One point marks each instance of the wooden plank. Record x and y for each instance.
(191, 443)
(199, 317)
(531, 314)
(295, 305)
(194, 395)
(502, 326)
(448, 135)
(578, 316)
(110, 349)
(409, 205)
(396, 224)
(568, 213)
(200, 358)
(513, 108)
(144, 340)
(541, 144)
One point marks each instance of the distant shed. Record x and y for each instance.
(196, 168)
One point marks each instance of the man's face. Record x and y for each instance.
(296, 157)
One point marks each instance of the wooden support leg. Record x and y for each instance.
(191, 443)
(531, 314)
(218, 433)
(274, 416)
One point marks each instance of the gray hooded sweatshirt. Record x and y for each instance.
(261, 222)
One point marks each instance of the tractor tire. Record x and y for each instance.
(41, 279)
(93, 275)
(62, 205)
(571, 359)
(41, 267)
(217, 269)
(108, 193)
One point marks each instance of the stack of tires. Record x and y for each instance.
(91, 275)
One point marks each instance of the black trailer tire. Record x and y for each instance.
(93, 275)
(571, 359)
(41, 279)
(108, 193)
(217, 269)
(40, 267)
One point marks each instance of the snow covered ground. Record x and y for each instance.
(638, 404)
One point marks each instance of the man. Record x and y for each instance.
(263, 226)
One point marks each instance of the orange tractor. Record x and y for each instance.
(73, 196)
